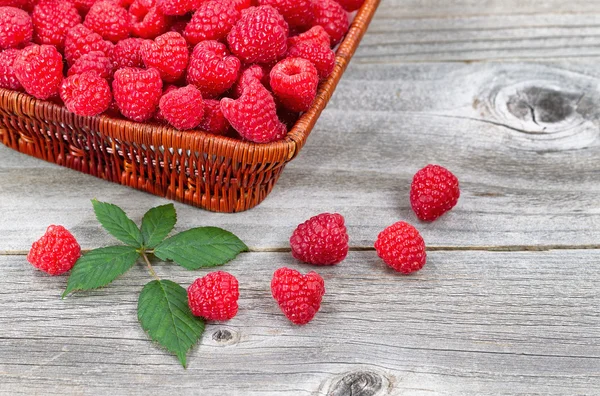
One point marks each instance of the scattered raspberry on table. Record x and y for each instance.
(321, 240)
(434, 191)
(299, 296)
(214, 296)
(56, 252)
(401, 247)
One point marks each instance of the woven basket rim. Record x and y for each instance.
(197, 140)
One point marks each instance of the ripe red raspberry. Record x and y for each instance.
(86, 94)
(109, 20)
(52, 19)
(260, 36)
(39, 70)
(56, 252)
(401, 247)
(159, 115)
(254, 72)
(214, 121)
(433, 192)
(178, 7)
(168, 53)
(299, 296)
(147, 21)
(332, 17)
(212, 69)
(315, 34)
(83, 6)
(93, 61)
(126, 53)
(351, 5)
(297, 13)
(182, 107)
(294, 82)
(214, 296)
(81, 40)
(8, 78)
(212, 21)
(321, 240)
(240, 4)
(319, 55)
(13, 3)
(254, 114)
(137, 92)
(16, 27)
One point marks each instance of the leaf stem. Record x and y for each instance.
(150, 269)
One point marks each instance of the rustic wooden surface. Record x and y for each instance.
(505, 94)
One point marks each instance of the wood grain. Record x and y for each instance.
(523, 139)
(469, 323)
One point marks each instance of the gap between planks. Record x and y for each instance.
(505, 248)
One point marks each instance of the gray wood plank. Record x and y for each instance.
(469, 323)
(522, 138)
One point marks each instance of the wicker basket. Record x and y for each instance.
(212, 172)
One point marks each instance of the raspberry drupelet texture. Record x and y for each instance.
(299, 296)
(214, 121)
(52, 19)
(56, 252)
(147, 21)
(178, 7)
(212, 69)
(168, 53)
(321, 240)
(322, 56)
(13, 3)
(8, 78)
(109, 20)
(80, 40)
(39, 69)
(183, 108)
(86, 94)
(294, 82)
(433, 192)
(16, 28)
(297, 13)
(260, 36)
(93, 61)
(83, 6)
(240, 4)
(126, 53)
(214, 296)
(332, 17)
(314, 34)
(351, 5)
(254, 114)
(254, 72)
(137, 92)
(212, 21)
(401, 247)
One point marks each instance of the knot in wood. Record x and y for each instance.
(224, 337)
(358, 383)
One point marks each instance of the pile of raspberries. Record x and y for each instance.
(244, 68)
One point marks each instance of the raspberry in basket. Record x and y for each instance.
(214, 296)
(321, 240)
(16, 27)
(81, 40)
(86, 94)
(93, 61)
(8, 78)
(212, 69)
(214, 121)
(351, 5)
(168, 54)
(254, 72)
(137, 92)
(126, 53)
(294, 82)
(316, 34)
(254, 114)
(299, 296)
(401, 247)
(39, 69)
(212, 21)
(56, 252)
(13, 3)
(433, 192)
(45, 17)
(332, 17)
(297, 13)
(182, 107)
(178, 7)
(260, 36)
(109, 20)
(147, 21)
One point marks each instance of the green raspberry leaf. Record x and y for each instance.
(163, 312)
(201, 247)
(157, 224)
(116, 222)
(100, 267)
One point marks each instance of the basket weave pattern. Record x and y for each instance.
(212, 172)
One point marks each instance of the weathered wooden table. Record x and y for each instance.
(504, 93)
